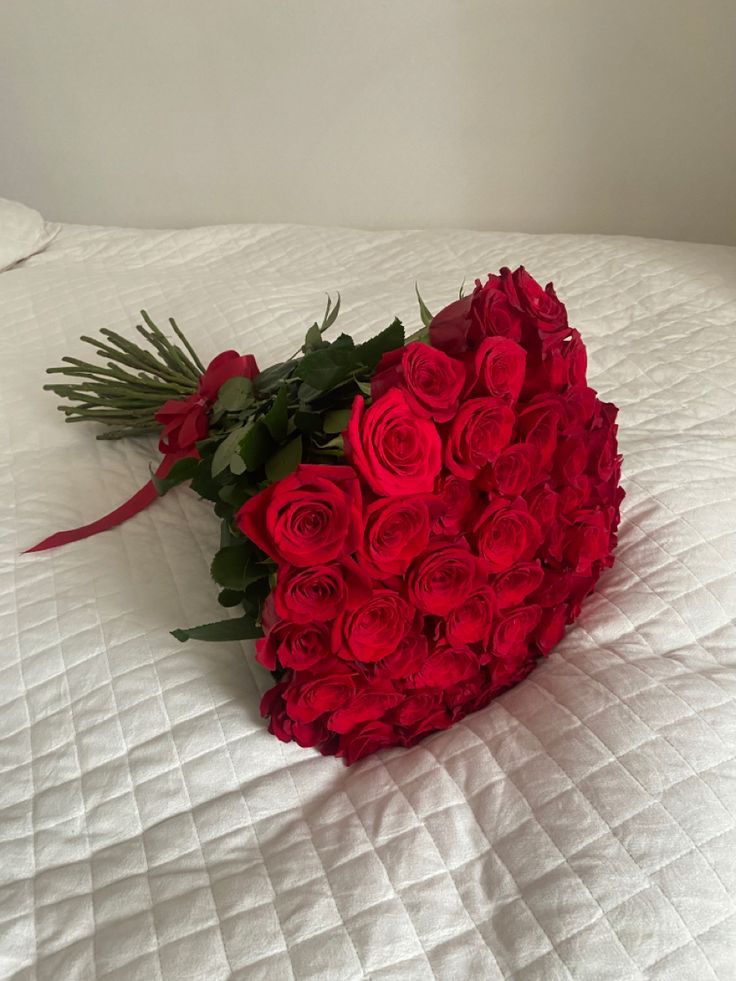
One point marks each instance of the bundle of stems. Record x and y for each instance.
(125, 391)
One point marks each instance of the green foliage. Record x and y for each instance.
(240, 628)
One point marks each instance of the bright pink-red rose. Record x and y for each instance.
(395, 451)
(312, 516)
(506, 535)
(480, 430)
(374, 629)
(433, 382)
(441, 579)
(471, 621)
(319, 592)
(499, 368)
(396, 531)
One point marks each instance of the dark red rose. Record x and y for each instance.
(571, 459)
(538, 425)
(459, 499)
(292, 645)
(185, 421)
(478, 433)
(395, 451)
(513, 587)
(566, 363)
(508, 672)
(406, 659)
(363, 707)
(308, 700)
(441, 579)
(506, 535)
(319, 592)
(449, 329)
(542, 305)
(465, 696)
(472, 620)
(374, 629)
(511, 637)
(551, 628)
(433, 381)
(542, 502)
(418, 707)
(499, 368)
(366, 739)
(514, 471)
(446, 666)
(588, 540)
(396, 531)
(312, 516)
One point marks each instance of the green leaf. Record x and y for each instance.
(256, 446)
(363, 386)
(313, 340)
(330, 317)
(242, 628)
(370, 352)
(276, 420)
(461, 294)
(235, 495)
(229, 565)
(237, 464)
(227, 448)
(272, 378)
(285, 460)
(308, 422)
(328, 367)
(235, 395)
(336, 420)
(424, 313)
(230, 597)
(180, 473)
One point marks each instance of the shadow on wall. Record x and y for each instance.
(533, 116)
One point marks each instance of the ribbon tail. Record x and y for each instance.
(134, 505)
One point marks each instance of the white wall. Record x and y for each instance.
(542, 115)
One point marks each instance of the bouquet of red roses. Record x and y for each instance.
(407, 524)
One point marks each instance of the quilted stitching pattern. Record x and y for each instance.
(584, 826)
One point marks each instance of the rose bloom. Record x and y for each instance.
(366, 739)
(363, 707)
(432, 380)
(551, 628)
(480, 430)
(311, 516)
(538, 425)
(309, 699)
(291, 645)
(506, 535)
(319, 592)
(512, 587)
(499, 368)
(395, 451)
(511, 637)
(375, 628)
(447, 665)
(406, 659)
(514, 470)
(396, 531)
(471, 621)
(441, 579)
(458, 499)
(589, 540)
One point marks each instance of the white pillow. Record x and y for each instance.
(23, 232)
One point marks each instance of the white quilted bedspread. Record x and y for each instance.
(583, 826)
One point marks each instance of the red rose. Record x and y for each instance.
(551, 628)
(185, 421)
(506, 535)
(441, 579)
(319, 592)
(542, 502)
(480, 430)
(449, 328)
(291, 645)
(589, 539)
(395, 451)
(471, 621)
(396, 531)
(406, 659)
(432, 380)
(525, 294)
(446, 666)
(512, 634)
(458, 499)
(375, 628)
(363, 707)
(514, 470)
(467, 696)
(310, 517)
(566, 363)
(499, 368)
(308, 700)
(538, 425)
(417, 708)
(366, 739)
(513, 587)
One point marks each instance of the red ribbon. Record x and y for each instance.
(183, 421)
(134, 505)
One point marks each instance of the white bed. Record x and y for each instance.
(583, 826)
